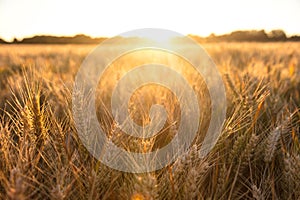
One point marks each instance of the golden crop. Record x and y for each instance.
(256, 157)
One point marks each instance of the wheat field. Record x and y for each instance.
(257, 155)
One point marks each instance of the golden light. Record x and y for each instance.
(149, 35)
(138, 196)
(161, 39)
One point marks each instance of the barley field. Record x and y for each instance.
(257, 155)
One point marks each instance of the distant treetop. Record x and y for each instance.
(236, 36)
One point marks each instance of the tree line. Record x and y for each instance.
(236, 36)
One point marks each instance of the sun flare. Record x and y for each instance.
(163, 38)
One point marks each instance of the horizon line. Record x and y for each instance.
(99, 36)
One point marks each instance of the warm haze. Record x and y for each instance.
(19, 19)
(101, 117)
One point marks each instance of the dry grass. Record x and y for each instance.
(256, 157)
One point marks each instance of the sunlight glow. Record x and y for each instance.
(151, 36)
(109, 18)
(159, 38)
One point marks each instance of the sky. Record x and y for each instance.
(25, 18)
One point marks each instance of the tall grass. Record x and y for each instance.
(256, 157)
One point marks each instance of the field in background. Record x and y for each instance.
(257, 155)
